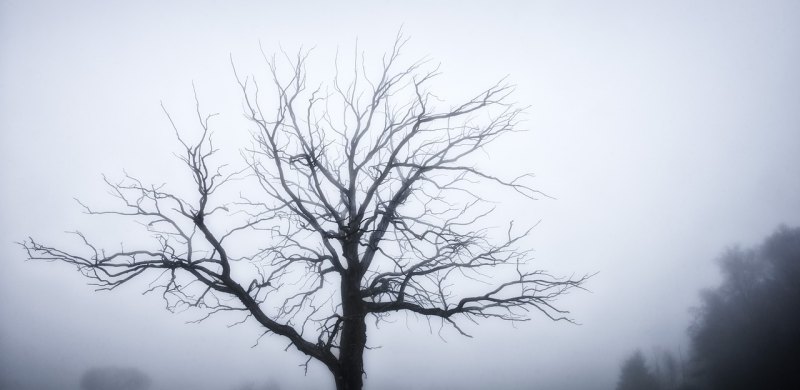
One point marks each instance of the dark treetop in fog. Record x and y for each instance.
(746, 334)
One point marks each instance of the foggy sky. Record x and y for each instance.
(665, 131)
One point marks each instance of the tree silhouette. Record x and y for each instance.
(269, 385)
(668, 369)
(114, 378)
(746, 334)
(635, 375)
(368, 203)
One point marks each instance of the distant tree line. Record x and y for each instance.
(746, 334)
(114, 378)
(128, 378)
(268, 385)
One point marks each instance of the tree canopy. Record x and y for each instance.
(359, 199)
(746, 333)
(636, 375)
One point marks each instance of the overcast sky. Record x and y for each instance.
(665, 131)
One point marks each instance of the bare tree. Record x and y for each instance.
(367, 204)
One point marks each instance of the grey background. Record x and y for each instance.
(665, 130)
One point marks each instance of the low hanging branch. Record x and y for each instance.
(365, 205)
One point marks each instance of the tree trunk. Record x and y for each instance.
(354, 336)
